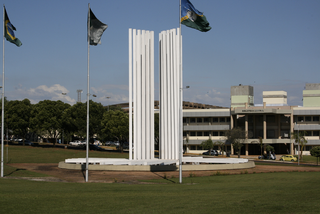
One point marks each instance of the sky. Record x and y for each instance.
(272, 45)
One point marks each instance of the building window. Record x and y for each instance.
(228, 120)
(222, 119)
(206, 120)
(270, 133)
(300, 118)
(221, 133)
(206, 133)
(307, 133)
(199, 133)
(192, 147)
(270, 119)
(215, 120)
(315, 118)
(215, 133)
(192, 133)
(184, 134)
(199, 120)
(308, 148)
(184, 120)
(192, 120)
(315, 133)
(308, 118)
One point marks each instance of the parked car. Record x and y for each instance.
(94, 147)
(212, 152)
(97, 143)
(77, 143)
(268, 157)
(124, 146)
(108, 143)
(26, 142)
(288, 158)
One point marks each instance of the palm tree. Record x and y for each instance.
(261, 144)
(301, 140)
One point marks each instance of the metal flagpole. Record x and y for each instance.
(2, 112)
(130, 94)
(181, 100)
(88, 96)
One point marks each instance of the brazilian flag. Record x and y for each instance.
(193, 18)
(9, 30)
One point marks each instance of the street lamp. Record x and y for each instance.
(299, 143)
(108, 102)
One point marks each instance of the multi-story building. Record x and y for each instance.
(273, 121)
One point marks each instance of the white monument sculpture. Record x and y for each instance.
(141, 108)
(141, 68)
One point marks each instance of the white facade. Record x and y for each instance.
(275, 97)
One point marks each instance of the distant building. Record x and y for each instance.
(241, 95)
(311, 95)
(273, 120)
(186, 105)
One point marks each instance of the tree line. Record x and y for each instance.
(59, 120)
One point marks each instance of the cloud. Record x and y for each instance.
(117, 94)
(211, 97)
(40, 93)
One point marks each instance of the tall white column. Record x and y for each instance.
(170, 86)
(142, 56)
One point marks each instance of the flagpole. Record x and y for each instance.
(181, 100)
(88, 96)
(2, 111)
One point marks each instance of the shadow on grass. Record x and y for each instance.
(83, 170)
(14, 171)
(164, 177)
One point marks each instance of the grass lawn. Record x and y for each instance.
(294, 192)
(282, 192)
(29, 154)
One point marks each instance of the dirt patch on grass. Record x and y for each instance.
(55, 174)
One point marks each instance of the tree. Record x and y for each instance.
(48, 118)
(207, 144)
(220, 144)
(315, 152)
(237, 137)
(301, 140)
(19, 115)
(5, 111)
(115, 125)
(261, 144)
(186, 138)
(75, 119)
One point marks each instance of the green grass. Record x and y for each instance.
(292, 192)
(282, 192)
(29, 154)
(10, 171)
(309, 159)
